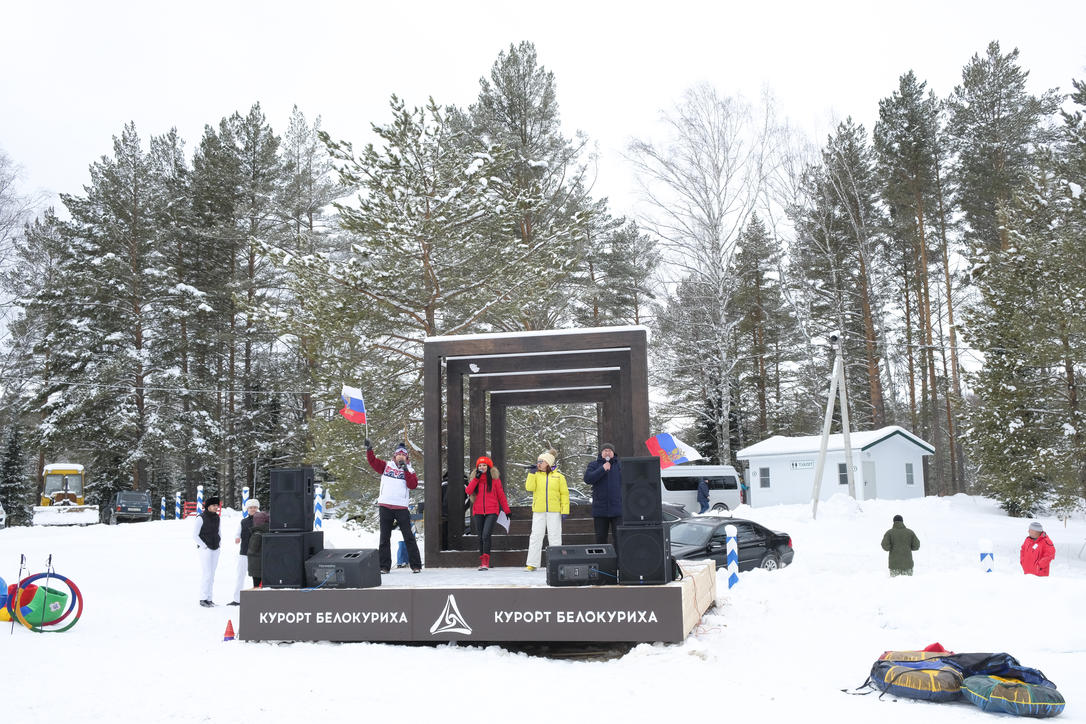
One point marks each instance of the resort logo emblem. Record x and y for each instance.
(450, 620)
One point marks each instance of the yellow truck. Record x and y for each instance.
(62, 500)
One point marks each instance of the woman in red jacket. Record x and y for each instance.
(486, 485)
(1037, 551)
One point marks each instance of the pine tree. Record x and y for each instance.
(16, 484)
(1018, 426)
(906, 142)
(618, 287)
(114, 228)
(994, 126)
(767, 329)
(546, 204)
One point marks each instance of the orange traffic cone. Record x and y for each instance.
(229, 634)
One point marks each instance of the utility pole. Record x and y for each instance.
(838, 388)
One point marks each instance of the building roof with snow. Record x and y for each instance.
(859, 440)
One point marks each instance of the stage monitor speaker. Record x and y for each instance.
(644, 554)
(343, 568)
(291, 499)
(283, 557)
(641, 494)
(588, 565)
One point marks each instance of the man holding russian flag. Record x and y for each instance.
(398, 478)
(671, 450)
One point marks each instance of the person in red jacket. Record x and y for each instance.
(1037, 551)
(486, 486)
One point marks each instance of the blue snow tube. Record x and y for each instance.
(1010, 696)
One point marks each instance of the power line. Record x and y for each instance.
(151, 388)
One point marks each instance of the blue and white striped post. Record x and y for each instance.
(987, 558)
(199, 500)
(318, 507)
(163, 507)
(245, 502)
(733, 555)
(177, 505)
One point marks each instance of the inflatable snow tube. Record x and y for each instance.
(913, 655)
(924, 680)
(1010, 696)
(26, 595)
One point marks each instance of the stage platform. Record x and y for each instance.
(495, 606)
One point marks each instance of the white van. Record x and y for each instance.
(679, 485)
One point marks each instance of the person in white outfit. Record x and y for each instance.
(205, 531)
(550, 501)
(241, 536)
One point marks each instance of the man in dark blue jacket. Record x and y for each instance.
(604, 474)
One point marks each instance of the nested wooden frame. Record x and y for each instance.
(607, 366)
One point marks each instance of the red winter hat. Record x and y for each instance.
(484, 460)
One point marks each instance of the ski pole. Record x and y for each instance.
(18, 591)
(45, 599)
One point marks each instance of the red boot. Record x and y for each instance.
(484, 562)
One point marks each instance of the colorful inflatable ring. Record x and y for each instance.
(76, 597)
(926, 680)
(1011, 696)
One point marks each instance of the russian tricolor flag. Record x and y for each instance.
(354, 408)
(671, 450)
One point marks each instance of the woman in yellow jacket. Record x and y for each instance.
(550, 501)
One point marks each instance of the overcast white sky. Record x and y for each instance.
(75, 72)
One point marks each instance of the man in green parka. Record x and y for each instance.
(900, 542)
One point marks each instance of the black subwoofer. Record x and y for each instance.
(291, 499)
(283, 557)
(581, 565)
(644, 554)
(343, 568)
(641, 494)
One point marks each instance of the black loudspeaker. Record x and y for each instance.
(291, 499)
(283, 557)
(641, 494)
(343, 568)
(581, 565)
(644, 553)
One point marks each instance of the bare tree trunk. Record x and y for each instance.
(929, 344)
(906, 288)
(871, 355)
(949, 288)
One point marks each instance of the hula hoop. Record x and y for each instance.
(76, 597)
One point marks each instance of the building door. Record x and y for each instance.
(870, 492)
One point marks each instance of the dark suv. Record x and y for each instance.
(131, 505)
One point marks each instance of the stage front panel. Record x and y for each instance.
(483, 614)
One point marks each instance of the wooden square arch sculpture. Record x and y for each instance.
(604, 365)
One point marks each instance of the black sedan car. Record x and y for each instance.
(704, 537)
(673, 514)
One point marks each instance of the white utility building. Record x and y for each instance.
(888, 464)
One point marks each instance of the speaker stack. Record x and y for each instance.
(290, 540)
(644, 547)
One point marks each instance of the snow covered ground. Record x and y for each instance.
(779, 647)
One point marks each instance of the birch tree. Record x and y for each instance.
(701, 183)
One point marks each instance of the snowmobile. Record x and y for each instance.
(62, 497)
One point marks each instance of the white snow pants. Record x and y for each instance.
(549, 523)
(242, 575)
(209, 561)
